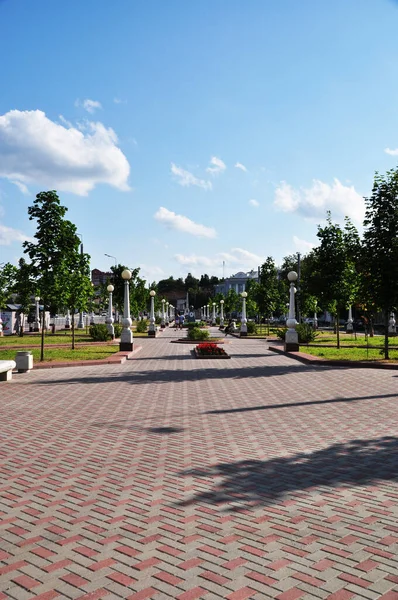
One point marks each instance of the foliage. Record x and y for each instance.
(117, 330)
(334, 278)
(142, 326)
(251, 328)
(280, 333)
(24, 290)
(66, 354)
(306, 333)
(7, 281)
(60, 271)
(380, 247)
(210, 349)
(197, 334)
(232, 303)
(99, 333)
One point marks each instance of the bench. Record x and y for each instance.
(6, 367)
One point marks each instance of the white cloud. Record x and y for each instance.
(36, 150)
(186, 179)
(8, 235)
(254, 203)
(302, 245)
(217, 166)
(119, 101)
(89, 105)
(391, 152)
(237, 259)
(21, 186)
(181, 223)
(239, 165)
(313, 202)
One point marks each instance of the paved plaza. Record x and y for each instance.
(175, 477)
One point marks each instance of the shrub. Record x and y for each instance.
(142, 326)
(194, 325)
(99, 333)
(306, 333)
(197, 334)
(117, 329)
(281, 333)
(251, 327)
(158, 320)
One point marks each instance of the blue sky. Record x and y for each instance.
(184, 134)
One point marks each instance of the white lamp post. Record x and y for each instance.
(109, 318)
(315, 318)
(67, 319)
(291, 338)
(221, 313)
(391, 324)
(152, 328)
(80, 324)
(36, 324)
(350, 322)
(163, 323)
(243, 326)
(126, 338)
(213, 318)
(167, 314)
(208, 312)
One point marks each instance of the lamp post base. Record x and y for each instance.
(151, 333)
(126, 347)
(291, 341)
(243, 334)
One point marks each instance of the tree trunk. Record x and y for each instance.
(22, 326)
(73, 329)
(371, 327)
(338, 329)
(386, 355)
(42, 334)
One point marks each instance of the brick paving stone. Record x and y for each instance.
(170, 477)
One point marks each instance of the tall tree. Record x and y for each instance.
(7, 281)
(334, 279)
(380, 246)
(53, 251)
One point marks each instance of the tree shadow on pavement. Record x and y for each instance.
(255, 482)
(215, 370)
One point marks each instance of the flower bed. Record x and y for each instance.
(210, 350)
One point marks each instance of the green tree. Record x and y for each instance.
(78, 290)
(269, 290)
(8, 274)
(380, 247)
(334, 279)
(52, 253)
(24, 288)
(233, 302)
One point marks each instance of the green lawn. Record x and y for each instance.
(66, 354)
(34, 339)
(347, 353)
(348, 339)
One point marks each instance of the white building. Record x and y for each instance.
(236, 282)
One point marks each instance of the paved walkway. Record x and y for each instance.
(174, 477)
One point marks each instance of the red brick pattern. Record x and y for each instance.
(166, 477)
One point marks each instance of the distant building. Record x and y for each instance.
(100, 277)
(236, 282)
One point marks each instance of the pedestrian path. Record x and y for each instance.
(174, 477)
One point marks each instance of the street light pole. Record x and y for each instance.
(109, 319)
(243, 325)
(80, 324)
(221, 313)
(126, 338)
(36, 325)
(162, 323)
(213, 319)
(114, 275)
(152, 328)
(291, 336)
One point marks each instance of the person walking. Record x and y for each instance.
(181, 321)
